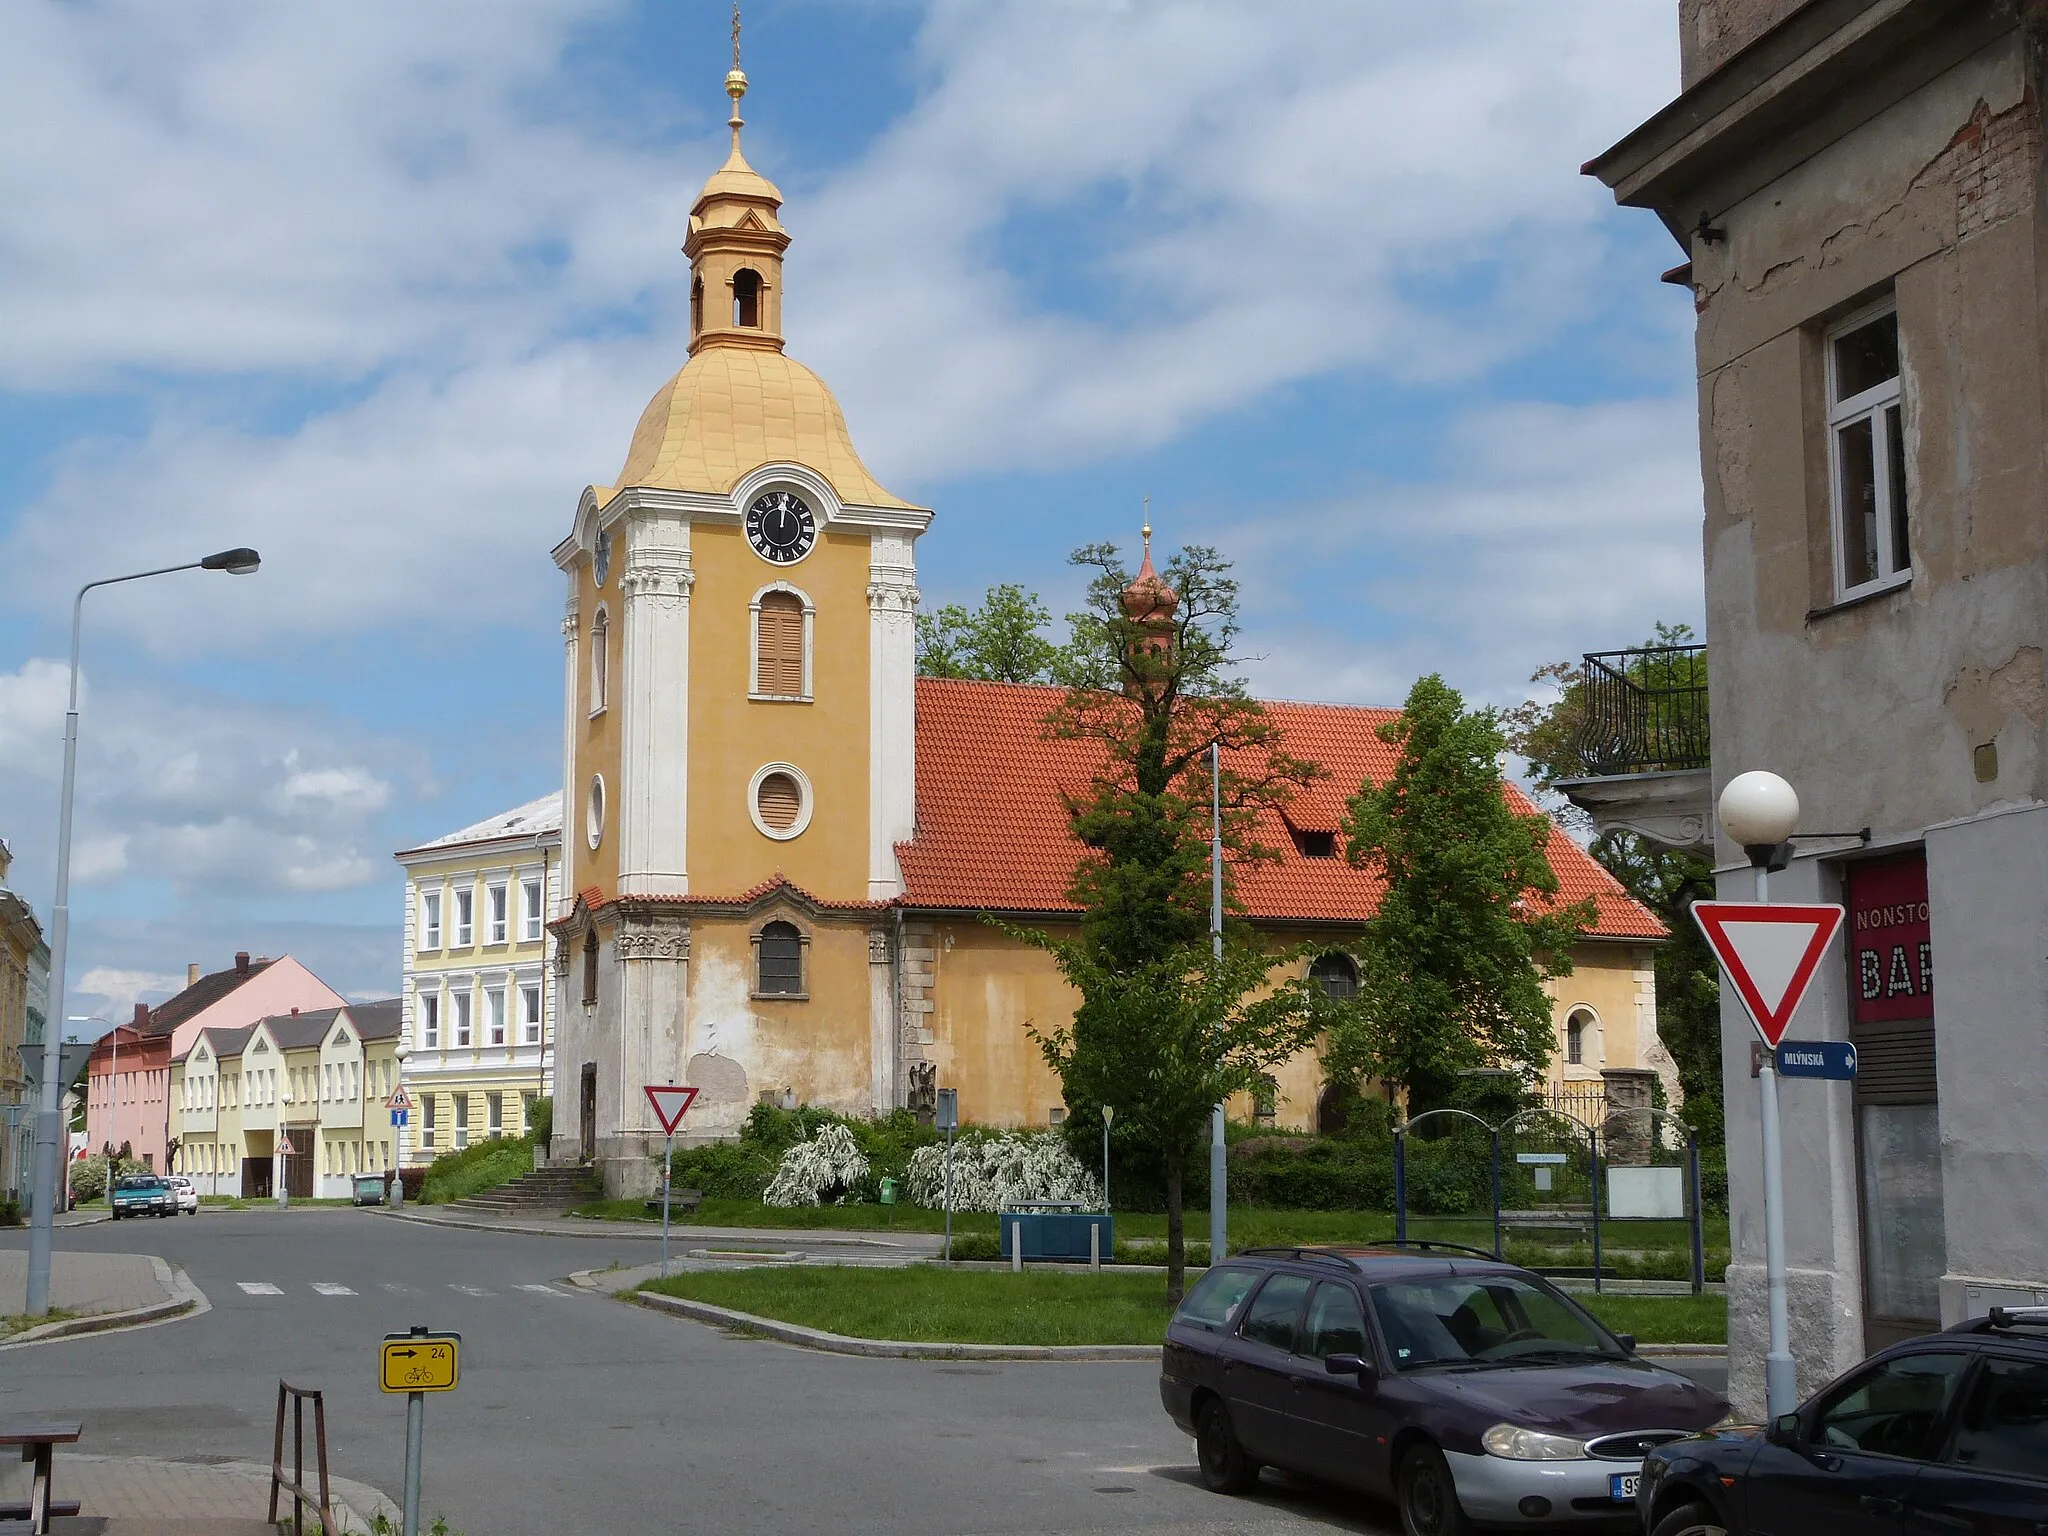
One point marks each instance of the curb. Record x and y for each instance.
(1683, 1351)
(885, 1349)
(768, 1234)
(506, 1226)
(182, 1299)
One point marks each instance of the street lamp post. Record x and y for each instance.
(1219, 1163)
(236, 562)
(1759, 811)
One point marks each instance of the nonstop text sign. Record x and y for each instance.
(1891, 951)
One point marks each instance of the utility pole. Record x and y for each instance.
(1219, 1160)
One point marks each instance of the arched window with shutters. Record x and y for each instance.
(779, 960)
(1582, 1038)
(780, 664)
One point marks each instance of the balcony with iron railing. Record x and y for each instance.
(1641, 735)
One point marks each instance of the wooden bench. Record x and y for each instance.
(681, 1202)
(1579, 1223)
(38, 1439)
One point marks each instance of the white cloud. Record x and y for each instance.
(1251, 194)
(113, 993)
(196, 793)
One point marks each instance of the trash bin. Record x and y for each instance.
(888, 1191)
(1055, 1229)
(369, 1189)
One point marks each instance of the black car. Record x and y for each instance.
(1943, 1433)
(1464, 1389)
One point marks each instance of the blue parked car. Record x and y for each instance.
(1943, 1433)
(1464, 1389)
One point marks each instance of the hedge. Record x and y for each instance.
(480, 1166)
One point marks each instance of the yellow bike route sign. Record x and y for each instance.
(420, 1362)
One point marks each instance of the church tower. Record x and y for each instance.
(739, 686)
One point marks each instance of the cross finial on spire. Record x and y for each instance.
(735, 80)
(1148, 528)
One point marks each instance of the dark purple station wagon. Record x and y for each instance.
(1468, 1391)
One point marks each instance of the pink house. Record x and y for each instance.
(132, 1095)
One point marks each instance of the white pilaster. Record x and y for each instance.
(572, 620)
(892, 708)
(654, 695)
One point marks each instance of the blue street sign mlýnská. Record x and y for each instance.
(1835, 1059)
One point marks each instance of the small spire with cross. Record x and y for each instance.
(735, 81)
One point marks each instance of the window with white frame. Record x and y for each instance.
(600, 661)
(459, 1000)
(498, 913)
(532, 899)
(465, 916)
(430, 920)
(494, 1110)
(1867, 454)
(529, 1013)
(494, 1015)
(430, 1020)
(461, 1119)
(426, 1122)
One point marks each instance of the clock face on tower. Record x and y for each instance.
(780, 527)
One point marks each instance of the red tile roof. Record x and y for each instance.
(991, 832)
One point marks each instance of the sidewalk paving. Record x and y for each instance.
(120, 1495)
(85, 1283)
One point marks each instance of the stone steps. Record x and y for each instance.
(541, 1190)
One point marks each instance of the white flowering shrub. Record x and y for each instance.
(826, 1169)
(994, 1171)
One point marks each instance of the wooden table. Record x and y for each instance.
(38, 1439)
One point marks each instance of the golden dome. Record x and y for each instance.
(731, 410)
(736, 178)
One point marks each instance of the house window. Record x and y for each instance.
(746, 297)
(600, 660)
(590, 969)
(498, 913)
(461, 1119)
(465, 917)
(532, 895)
(1314, 845)
(779, 623)
(529, 1014)
(461, 1000)
(430, 920)
(494, 1015)
(1866, 427)
(1337, 975)
(1578, 1030)
(426, 1122)
(779, 961)
(430, 1021)
(494, 1109)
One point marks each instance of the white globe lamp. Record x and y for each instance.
(1759, 809)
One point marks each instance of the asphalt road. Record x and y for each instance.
(577, 1412)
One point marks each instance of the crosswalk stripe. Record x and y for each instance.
(543, 1290)
(259, 1288)
(329, 1288)
(398, 1290)
(472, 1290)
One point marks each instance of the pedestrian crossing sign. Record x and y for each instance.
(399, 1100)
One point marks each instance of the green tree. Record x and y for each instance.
(1164, 1032)
(1002, 641)
(1453, 965)
(1554, 735)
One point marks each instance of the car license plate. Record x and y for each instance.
(1621, 1486)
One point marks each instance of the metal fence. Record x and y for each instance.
(1643, 711)
(1587, 1105)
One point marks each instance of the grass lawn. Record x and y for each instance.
(1662, 1319)
(994, 1307)
(944, 1306)
(21, 1322)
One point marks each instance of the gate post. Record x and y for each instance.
(1496, 1192)
(1699, 1216)
(1593, 1138)
(1400, 1183)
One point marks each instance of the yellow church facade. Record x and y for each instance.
(780, 846)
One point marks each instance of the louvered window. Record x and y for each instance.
(781, 961)
(780, 801)
(779, 646)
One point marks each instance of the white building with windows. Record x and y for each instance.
(479, 1013)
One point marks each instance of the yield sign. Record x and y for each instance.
(669, 1102)
(399, 1100)
(1770, 954)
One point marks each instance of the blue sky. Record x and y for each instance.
(380, 288)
